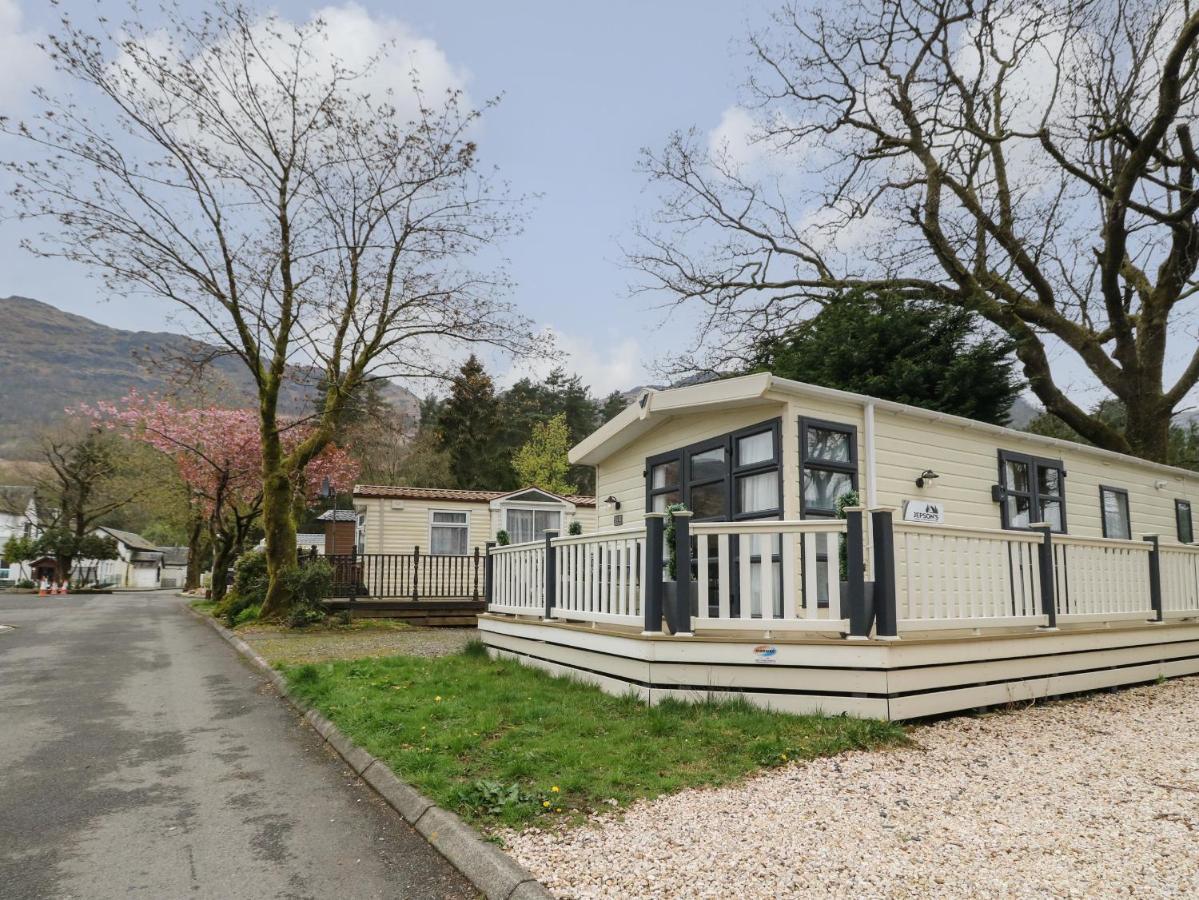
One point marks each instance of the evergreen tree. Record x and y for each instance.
(468, 428)
(925, 355)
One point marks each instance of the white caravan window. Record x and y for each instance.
(524, 525)
(449, 532)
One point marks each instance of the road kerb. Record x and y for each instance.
(496, 874)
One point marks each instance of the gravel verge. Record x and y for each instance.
(1091, 797)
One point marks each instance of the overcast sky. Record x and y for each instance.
(585, 87)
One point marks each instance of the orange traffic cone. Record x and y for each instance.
(42, 586)
(66, 588)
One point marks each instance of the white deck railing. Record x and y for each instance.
(601, 577)
(518, 579)
(1101, 580)
(950, 577)
(1180, 580)
(765, 575)
(769, 574)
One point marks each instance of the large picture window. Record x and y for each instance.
(1182, 517)
(449, 532)
(733, 476)
(1032, 490)
(526, 525)
(1113, 506)
(828, 458)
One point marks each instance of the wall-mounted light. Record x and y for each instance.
(612, 501)
(1160, 483)
(926, 475)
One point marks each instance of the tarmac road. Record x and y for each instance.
(140, 757)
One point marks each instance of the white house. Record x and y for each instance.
(139, 562)
(990, 565)
(18, 518)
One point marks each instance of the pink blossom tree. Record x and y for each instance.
(218, 453)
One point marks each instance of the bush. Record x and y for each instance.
(576, 527)
(249, 614)
(25, 583)
(502, 538)
(310, 585)
(249, 586)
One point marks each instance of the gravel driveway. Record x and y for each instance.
(1093, 797)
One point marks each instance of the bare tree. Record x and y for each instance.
(309, 224)
(1032, 162)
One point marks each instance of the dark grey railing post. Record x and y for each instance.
(416, 573)
(682, 571)
(861, 615)
(653, 572)
(551, 575)
(1045, 568)
(353, 571)
(1155, 577)
(474, 576)
(887, 625)
(488, 574)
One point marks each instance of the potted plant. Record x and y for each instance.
(848, 500)
(502, 538)
(671, 601)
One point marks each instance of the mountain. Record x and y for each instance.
(50, 359)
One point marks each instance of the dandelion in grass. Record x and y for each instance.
(545, 803)
(555, 789)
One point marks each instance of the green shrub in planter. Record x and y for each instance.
(249, 586)
(502, 538)
(575, 528)
(310, 585)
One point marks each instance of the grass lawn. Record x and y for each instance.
(504, 744)
(363, 638)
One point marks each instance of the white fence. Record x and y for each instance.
(949, 577)
(1101, 580)
(601, 577)
(1180, 580)
(764, 575)
(769, 574)
(518, 579)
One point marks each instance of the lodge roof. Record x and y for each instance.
(654, 407)
(400, 492)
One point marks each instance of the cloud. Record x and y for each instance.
(735, 138)
(615, 364)
(22, 62)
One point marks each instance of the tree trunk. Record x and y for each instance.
(222, 558)
(280, 536)
(1148, 428)
(195, 541)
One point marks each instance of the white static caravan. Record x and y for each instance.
(760, 462)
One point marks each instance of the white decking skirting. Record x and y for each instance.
(909, 678)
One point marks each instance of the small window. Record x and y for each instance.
(1182, 515)
(525, 525)
(449, 532)
(829, 465)
(1113, 506)
(1034, 490)
(755, 448)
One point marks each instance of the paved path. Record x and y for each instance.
(139, 757)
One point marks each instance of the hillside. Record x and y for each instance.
(50, 359)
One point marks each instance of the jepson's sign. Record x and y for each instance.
(926, 512)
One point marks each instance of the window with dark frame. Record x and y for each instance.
(734, 476)
(1033, 489)
(1113, 508)
(828, 462)
(1182, 517)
